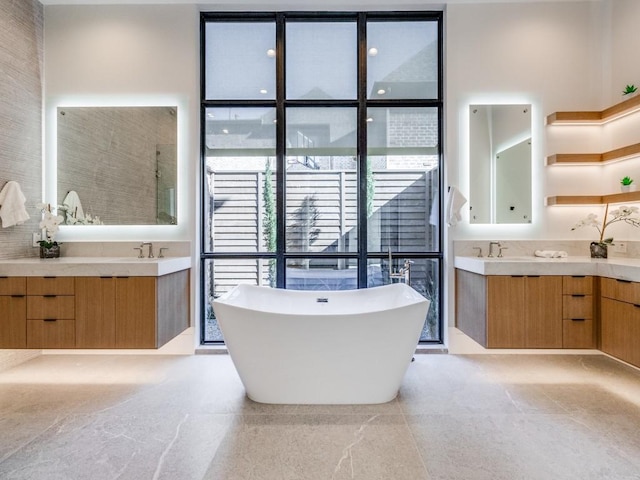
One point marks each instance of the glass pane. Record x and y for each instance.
(402, 60)
(220, 276)
(321, 183)
(423, 277)
(240, 60)
(322, 60)
(322, 274)
(240, 196)
(402, 179)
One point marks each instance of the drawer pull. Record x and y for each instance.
(106, 276)
(623, 281)
(49, 296)
(578, 276)
(517, 276)
(578, 319)
(49, 319)
(533, 276)
(18, 296)
(579, 295)
(50, 277)
(636, 305)
(122, 277)
(3, 276)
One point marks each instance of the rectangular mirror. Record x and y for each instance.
(117, 165)
(500, 163)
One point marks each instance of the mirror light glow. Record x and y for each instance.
(537, 132)
(120, 232)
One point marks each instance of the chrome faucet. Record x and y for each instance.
(150, 248)
(501, 249)
(479, 251)
(491, 244)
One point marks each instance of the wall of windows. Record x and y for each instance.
(321, 153)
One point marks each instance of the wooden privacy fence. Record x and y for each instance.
(321, 217)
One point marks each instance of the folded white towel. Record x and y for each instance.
(72, 201)
(551, 253)
(12, 211)
(455, 201)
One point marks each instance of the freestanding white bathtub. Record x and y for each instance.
(321, 347)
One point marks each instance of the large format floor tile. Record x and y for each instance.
(461, 417)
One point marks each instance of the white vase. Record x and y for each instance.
(628, 188)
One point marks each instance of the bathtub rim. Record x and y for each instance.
(413, 298)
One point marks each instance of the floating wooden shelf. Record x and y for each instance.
(595, 118)
(594, 158)
(627, 197)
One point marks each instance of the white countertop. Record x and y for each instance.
(617, 267)
(93, 266)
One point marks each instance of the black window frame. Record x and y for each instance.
(362, 103)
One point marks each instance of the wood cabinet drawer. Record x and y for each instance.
(622, 290)
(577, 334)
(577, 306)
(50, 285)
(578, 284)
(13, 286)
(51, 307)
(51, 334)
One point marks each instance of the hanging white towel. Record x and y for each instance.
(12, 211)
(72, 201)
(455, 201)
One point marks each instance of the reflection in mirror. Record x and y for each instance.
(117, 165)
(500, 163)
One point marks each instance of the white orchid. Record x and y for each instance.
(49, 223)
(621, 214)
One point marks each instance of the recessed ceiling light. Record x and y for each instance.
(382, 91)
(370, 119)
(373, 51)
(224, 130)
(210, 115)
(271, 53)
(263, 91)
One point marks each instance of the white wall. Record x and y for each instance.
(546, 54)
(121, 55)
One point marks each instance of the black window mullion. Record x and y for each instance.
(362, 151)
(281, 164)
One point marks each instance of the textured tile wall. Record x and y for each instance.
(21, 61)
(21, 43)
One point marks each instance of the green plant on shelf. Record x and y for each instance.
(629, 89)
(626, 181)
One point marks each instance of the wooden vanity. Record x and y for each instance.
(117, 310)
(503, 303)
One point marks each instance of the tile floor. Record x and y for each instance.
(458, 416)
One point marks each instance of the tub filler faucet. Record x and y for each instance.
(404, 274)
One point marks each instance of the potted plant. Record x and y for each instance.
(629, 90)
(49, 248)
(628, 215)
(626, 184)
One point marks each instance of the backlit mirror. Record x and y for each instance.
(500, 163)
(117, 165)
